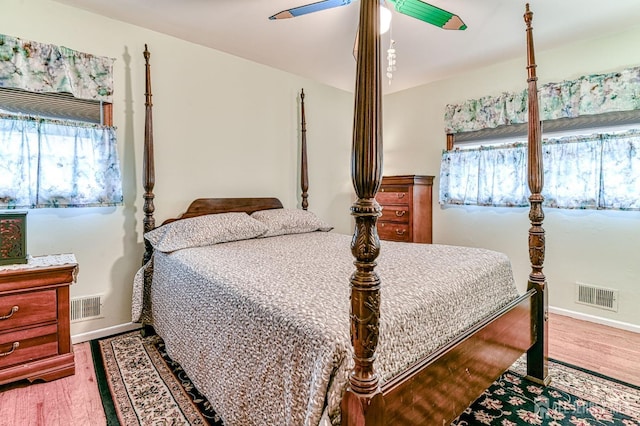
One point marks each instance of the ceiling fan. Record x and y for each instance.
(415, 8)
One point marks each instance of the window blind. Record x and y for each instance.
(61, 106)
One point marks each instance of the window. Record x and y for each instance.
(594, 171)
(597, 169)
(55, 163)
(57, 145)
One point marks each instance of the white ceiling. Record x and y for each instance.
(319, 45)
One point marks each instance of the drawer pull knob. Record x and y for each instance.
(400, 231)
(13, 348)
(10, 314)
(400, 213)
(401, 194)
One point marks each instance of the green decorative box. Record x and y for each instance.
(13, 237)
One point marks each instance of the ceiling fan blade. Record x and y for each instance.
(429, 13)
(309, 8)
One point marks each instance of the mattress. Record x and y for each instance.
(261, 326)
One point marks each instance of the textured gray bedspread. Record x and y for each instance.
(261, 326)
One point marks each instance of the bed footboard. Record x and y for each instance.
(438, 388)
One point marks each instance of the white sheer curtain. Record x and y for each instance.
(621, 171)
(52, 163)
(600, 171)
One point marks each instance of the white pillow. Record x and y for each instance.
(204, 230)
(290, 221)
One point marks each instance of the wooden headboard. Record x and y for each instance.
(204, 206)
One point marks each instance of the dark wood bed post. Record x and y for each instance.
(304, 173)
(148, 168)
(363, 402)
(537, 363)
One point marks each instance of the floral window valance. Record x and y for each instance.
(588, 95)
(39, 67)
(599, 171)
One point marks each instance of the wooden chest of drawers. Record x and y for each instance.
(35, 341)
(406, 208)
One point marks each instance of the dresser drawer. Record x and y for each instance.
(394, 195)
(24, 309)
(28, 345)
(399, 213)
(394, 231)
(406, 208)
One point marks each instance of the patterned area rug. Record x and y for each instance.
(141, 385)
(575, 397)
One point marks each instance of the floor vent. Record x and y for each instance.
(599, 297)
(86, 308)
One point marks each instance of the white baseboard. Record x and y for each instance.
(104, 332)
(598, 320)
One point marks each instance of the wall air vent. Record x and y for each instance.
(599, 297)
(86, 308)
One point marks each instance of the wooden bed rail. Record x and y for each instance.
(437, 388)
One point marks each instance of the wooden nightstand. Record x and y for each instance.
(406, 208)
(35, 340)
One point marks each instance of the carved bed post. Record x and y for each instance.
(537, 363)
(363, 403)
(148, 168)
(304, 174)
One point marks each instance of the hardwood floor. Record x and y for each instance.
(75, 400)
(70, 401)
(605, 350)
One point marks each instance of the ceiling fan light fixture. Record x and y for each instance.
(385, 18)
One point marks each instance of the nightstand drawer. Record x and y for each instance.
(394, 196)
(35, 341)
(23, 309)
(28, 345)
(393, 213)
(394, 231)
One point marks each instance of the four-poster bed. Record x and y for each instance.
(383, 384)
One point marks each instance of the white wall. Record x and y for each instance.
(223, 126)
(594, 247)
